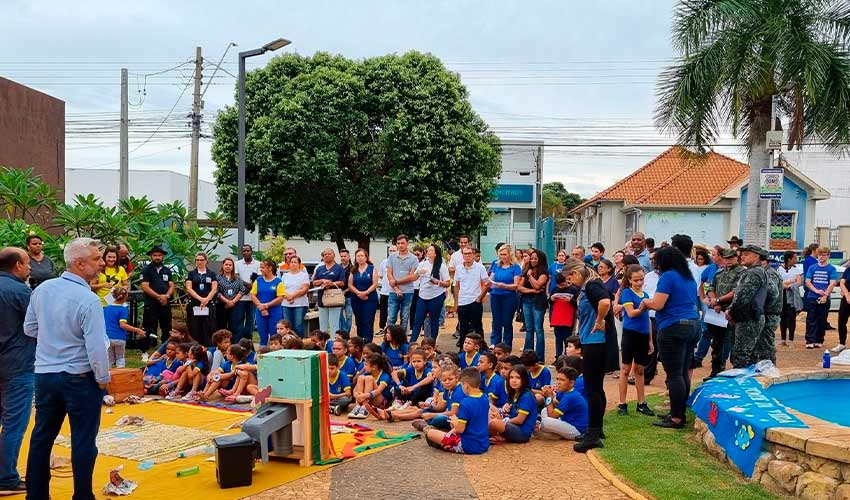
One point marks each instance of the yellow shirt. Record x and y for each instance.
(113, 276)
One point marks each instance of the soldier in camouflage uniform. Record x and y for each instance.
(747, 308)
(766, 347)
(720, 293)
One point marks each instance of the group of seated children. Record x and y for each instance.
(508, 399)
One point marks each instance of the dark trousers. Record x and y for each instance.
(429, 308)
(201, 327)
(57, 395)
(469, 320)
(677, 343)
(816, 315)
(788, 322)
(562, 333)
(231, 319)
(383, 305)
(651, 368)
(593, 368)
(156, 314)
(419, 395)
(246, 329)
(364, 317)
(843, 316)
(721, 346)
(413, 304)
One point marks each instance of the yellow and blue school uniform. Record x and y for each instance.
(453, 397)
(410, 376)
(495, 388)
(388, 386)
(267, 291)
(395, 354)
(541, 378)
(525, 404)
(358, 365)
(339, 384)
(154, 371)
(348, 366)
(579, 386)
(467, 361)
(474, 411)
(572, 409)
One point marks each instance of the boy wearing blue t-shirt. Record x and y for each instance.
(468, 432)
(820, 280)
(339, 386)
(566, 414)
(540, 376)
(492, 384)
(116, 316)
(470, 355)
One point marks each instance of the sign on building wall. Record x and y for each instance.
(770, 185)
(513, 193)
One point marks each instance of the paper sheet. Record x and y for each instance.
(201, 311)
(716, 318)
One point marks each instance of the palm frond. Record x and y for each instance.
(828, 97)
(697, 21)
(832, 21)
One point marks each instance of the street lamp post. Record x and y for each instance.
(240, 183)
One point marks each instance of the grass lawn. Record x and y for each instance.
(670, 464)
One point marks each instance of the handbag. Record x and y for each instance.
(333, 297)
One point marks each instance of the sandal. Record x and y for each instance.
(390, 416)
(230, 399)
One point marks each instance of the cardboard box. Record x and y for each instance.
(125, 382)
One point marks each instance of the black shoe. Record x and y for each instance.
(668, 423)
(644, 409)
(696, 363)
(580, 437)
(623, 409)
(522, 328)
(455, 335)
(16, 490)
(590, 441)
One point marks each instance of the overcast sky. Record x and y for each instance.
(566, 72)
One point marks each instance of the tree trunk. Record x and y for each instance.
(756, 223)
(363, 241)
(340, 243)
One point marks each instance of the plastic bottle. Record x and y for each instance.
(826, 360)
(144, 357)
(191, 471)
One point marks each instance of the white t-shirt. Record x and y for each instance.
(468, 280)
(650, 284)
(244, 270)
(385, 281)
(456, 259)
(293, 282)
(790, 274)
(428, 290)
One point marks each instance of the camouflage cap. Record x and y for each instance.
(761, 252)
(728, 252)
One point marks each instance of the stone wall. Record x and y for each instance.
(787, 471)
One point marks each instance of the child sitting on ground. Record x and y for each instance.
(179, 333)
(193, 375)
(374, 389)
(293, 343)
(468, 432)
(319, 339)
(339, 387)
(346, 364)
(275, 343)
(492, 384)
(414, 381)
(415, 412)
(355, 353)
(116, 316)
(445, 403)
(221, 339)
(339, 335)
(162, 370)
(246, 376)
(223, 378)
(501, 350)
(566, 414)
(429, 345)
(284, 328)
(573, 346)
(471, 347)
(169, 378)
(520, 412)
(505, 365)
(575, 363)
(539, 375)
(395, 346)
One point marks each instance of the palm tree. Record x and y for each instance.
(736, 56)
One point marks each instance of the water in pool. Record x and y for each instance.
(824, 399)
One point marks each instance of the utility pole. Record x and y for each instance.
(124, 169)
(196, 136)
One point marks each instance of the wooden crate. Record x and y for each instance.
(126, 382)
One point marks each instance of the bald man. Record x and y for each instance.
(17, 355)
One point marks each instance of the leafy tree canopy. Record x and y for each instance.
(354, 149)
(557, 200)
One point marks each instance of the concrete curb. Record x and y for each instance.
(603, 470)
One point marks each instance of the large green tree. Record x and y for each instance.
(353, 149)
(735, 56)
(557, 200)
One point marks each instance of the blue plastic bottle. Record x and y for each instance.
(826, 361)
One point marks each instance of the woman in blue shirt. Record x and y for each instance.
(505, 276)
(362, 283)
(596, 322)
(328, 275)
(677, 323)
(267, 293)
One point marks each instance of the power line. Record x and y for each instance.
(185, 87)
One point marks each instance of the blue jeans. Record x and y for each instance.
(329, 319)
(345, 315)
(503, 307)
(295, 315)
(233, 318)
(57, 395)
(431, 308)
(364, 316)
(16, 403)
(267, 325)
(533, 327)
(398, 309)
(247, 330)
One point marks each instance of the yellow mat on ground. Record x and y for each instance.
(160, 481)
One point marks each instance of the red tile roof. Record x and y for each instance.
(673, 178)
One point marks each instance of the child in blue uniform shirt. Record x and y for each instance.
(153, 378)
(116, 316)
(566, 415)
(395, 346)
(636, 346)
(468, 432)
(520, 412)
(492, 384)
(470, 355)
(539, 375)
(221, 379)
(346, 364)
(445, 403)
(415, 381)
(339, 387)
(374, 390)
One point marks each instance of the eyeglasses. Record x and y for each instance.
(200, 260)
(467, 253)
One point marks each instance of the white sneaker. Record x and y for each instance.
(405, 406)
(397, 405)
(838, 348)
(354, 411)
(361, 413)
